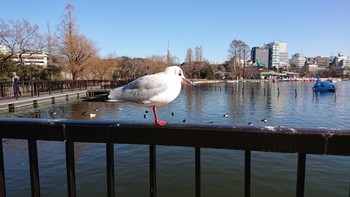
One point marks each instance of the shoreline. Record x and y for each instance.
(209, 81)
(202, 81)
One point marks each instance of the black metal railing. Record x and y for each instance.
(10, 90)
(249, 138)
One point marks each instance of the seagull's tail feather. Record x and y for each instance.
(114, 94)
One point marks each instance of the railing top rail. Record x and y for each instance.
(267, 138)
(55, 81)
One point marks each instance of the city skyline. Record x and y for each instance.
(142, 29)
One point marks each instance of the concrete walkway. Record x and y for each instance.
(12, 104)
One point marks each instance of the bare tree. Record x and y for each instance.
(189, 56)
(245, 54)
(103, 68)
(238, 53)
(169, 56)
(75, 49)
(157, 63)
(234, 49)
(199, 53)
(19, 37)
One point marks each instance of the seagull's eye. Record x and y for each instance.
(180, 74)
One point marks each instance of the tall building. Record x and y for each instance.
(274, 57)
(261, 54)
(282, 46)
(284, 58)
(284, 54)
(278, 54)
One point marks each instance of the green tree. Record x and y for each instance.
(207, 72)
(51, 72)
(7, 67)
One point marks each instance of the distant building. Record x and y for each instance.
(3, 49)
(284, 58)
(341, 61)
(297, 61)
(39, 59)
(278, 54)
(261, 54)
(35, 58)
(283, 54)
(274, 56)
(310, 62)
(218, 62)
(312, 67)
(342, 65)
(322, 62)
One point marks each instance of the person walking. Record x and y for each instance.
(16, 90)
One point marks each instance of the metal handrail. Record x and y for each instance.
(10, 90)
(302, 141)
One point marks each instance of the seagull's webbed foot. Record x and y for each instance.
(160, 122)
(156, 120)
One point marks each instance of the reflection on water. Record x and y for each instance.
(273, 174)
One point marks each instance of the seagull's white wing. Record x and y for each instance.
(141, 90)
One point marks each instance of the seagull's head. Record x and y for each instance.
(175, 70)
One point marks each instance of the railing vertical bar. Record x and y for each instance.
(2, 171)
(301, 174)
(31, 89)
(38, 88)
(35, 85)
(49, 84)
(70, 165)
(1, 90)
(34, 169)
(110, 169)
(198, 171)
(152, 166)
(247, 172)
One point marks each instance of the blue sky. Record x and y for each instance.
(138, 28)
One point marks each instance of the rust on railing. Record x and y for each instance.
(303, 141)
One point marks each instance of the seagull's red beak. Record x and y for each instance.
(187, 81)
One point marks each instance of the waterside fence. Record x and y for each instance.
(250, 138)
(36, 88)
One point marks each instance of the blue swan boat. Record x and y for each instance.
(323, 86)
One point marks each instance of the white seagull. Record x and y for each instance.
(92, 115)
(151, 90)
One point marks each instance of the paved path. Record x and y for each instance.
(12, 104)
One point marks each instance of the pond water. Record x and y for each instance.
(289, 104)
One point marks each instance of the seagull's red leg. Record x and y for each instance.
(158, 122)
